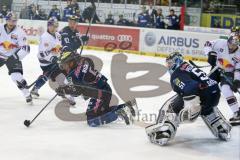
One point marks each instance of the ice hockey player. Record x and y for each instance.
(72, 40)
(13, 49)
(197, 94)
(49, 51)
(70, 36)
(212, 58)
(226, 55)
(85, 80)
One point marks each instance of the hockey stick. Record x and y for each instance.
(27, 123)
(192, 63)
(29, 86)
(90, 23)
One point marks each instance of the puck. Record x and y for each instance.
(27, 123)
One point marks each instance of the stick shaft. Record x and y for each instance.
(43, 109)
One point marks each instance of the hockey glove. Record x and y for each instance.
(212, 58)
(236, 85)
(74, 91)
(61, 91)
(84, 39)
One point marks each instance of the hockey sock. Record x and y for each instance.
(231, 99)
(106, 118)
(41, 81)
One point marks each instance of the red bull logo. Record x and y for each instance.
(225, 63)
(8, 45)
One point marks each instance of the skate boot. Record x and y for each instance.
(123, 115)
(235, 120)
(29, 99)
(34, 92)
(132, 106)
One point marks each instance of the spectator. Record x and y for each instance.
(173, 21)
(4, 11)
(67, 12)
(80, 18)
(24, 14)
(54, 12)
(75, 6)
(32, 12)
(160, 19)
(144, 18)
(122, 21)
(88, 13)
(41, 15)
(109, 20)
(152, 13)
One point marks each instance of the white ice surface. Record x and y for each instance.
(52, 139)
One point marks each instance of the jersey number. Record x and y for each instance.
(66, 40)
(200, 74)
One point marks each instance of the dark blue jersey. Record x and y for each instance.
(173, 22)
(143, 20)
(159, 22)
(54, 13)
(71, 39)
(109, 21)
(85, 74)
(67, 12)
(123, 22)
(188, 80)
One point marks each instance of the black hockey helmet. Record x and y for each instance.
(68, 58)
(173, 61)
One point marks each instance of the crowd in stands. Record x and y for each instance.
(151, 18)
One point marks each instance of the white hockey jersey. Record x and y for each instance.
(49, 47)
(229, 62)
(11, 42)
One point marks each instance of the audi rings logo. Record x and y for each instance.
(122, 37)
(150, 38)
